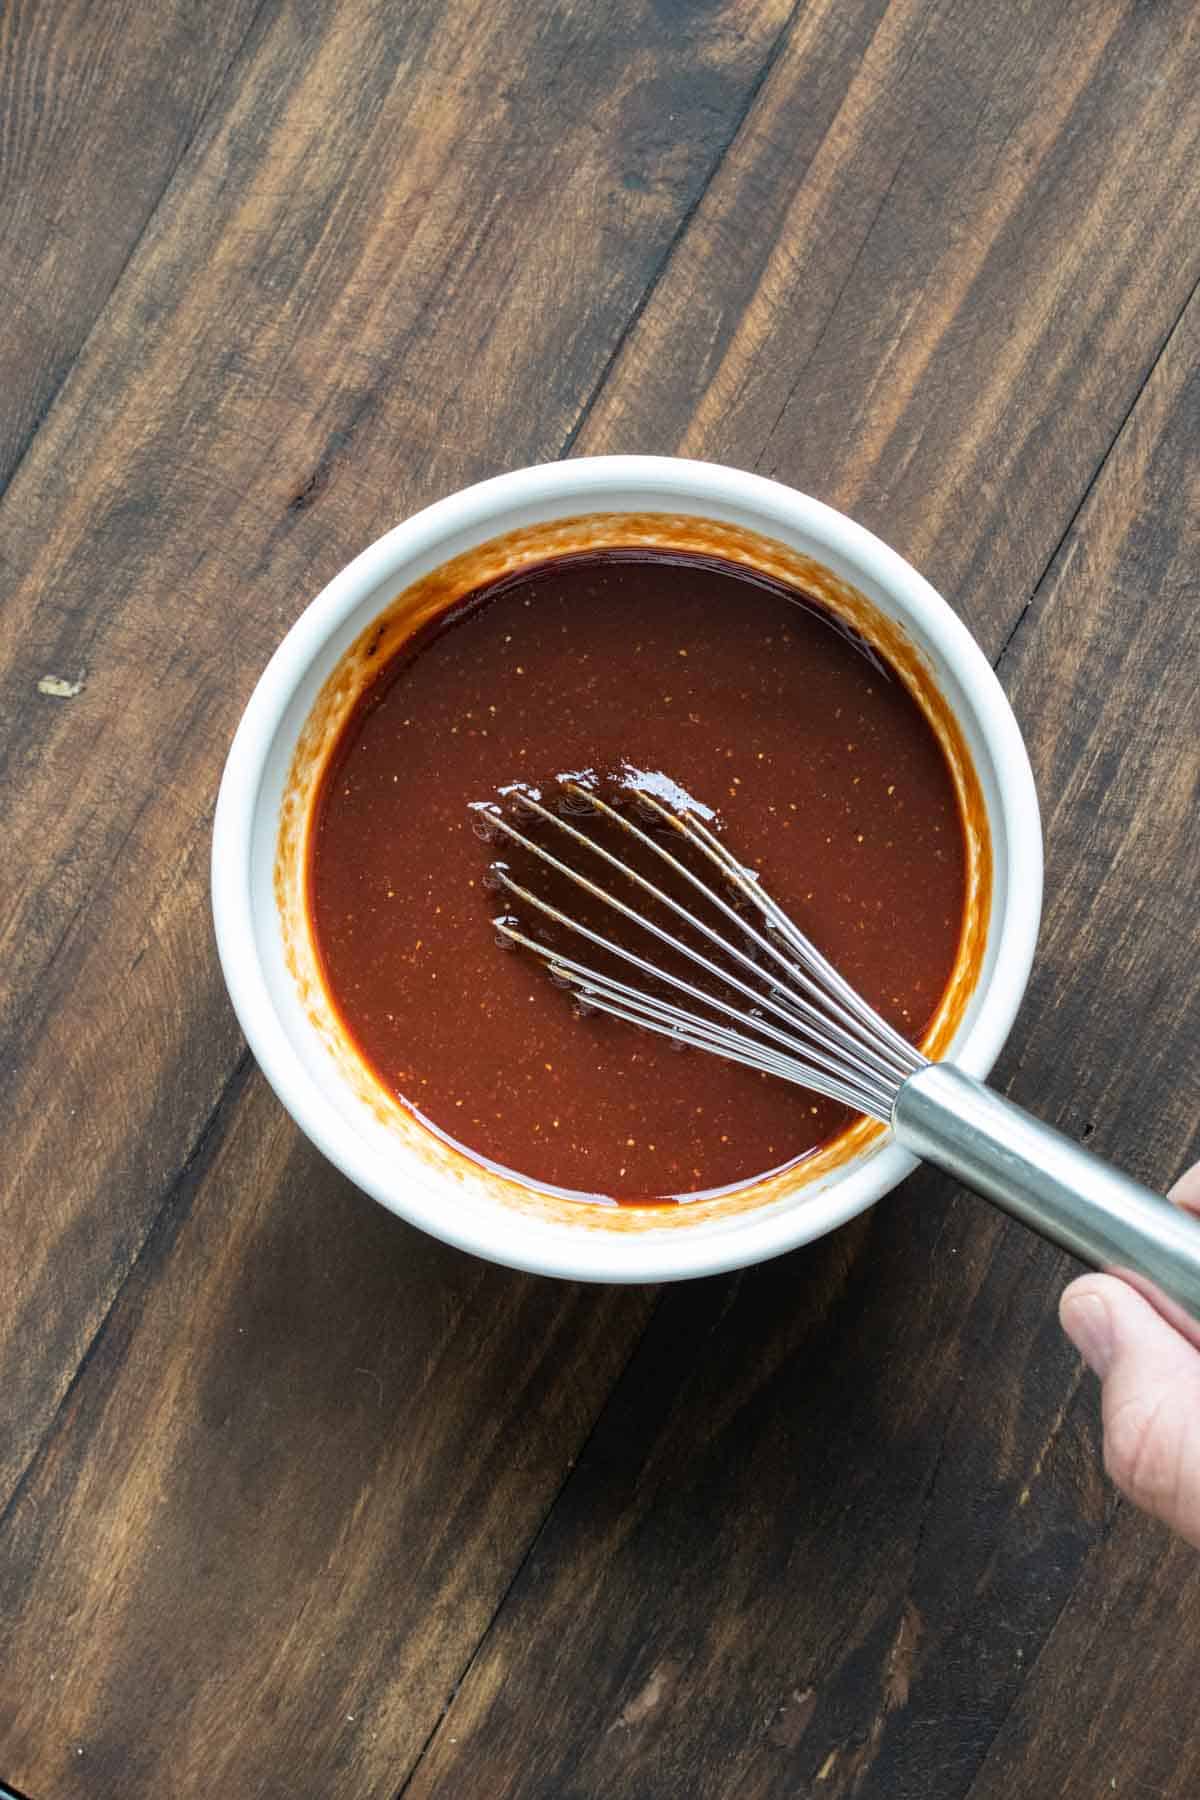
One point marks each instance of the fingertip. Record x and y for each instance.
(1106, 1319)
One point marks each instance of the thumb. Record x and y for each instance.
(1186, 1192)
(1151, 1397)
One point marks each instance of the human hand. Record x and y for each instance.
(1150, 1377)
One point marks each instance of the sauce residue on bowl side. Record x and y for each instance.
(832, 770)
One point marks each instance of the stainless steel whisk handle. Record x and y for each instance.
(1047, 1181)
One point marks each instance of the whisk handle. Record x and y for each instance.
(1047, 1181)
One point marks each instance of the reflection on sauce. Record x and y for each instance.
(823, 773)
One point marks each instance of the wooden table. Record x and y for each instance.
(294, 1500)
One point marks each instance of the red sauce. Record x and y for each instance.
(825, 775)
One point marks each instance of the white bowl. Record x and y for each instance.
(582, 1242)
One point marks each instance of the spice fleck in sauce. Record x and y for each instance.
(825, 777)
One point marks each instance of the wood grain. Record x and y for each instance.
(928, 285)
(363, 251)
(97, 106)
(824, 1535)
(1112, 1703)
(289, 1490)
(291, 1498)
(810, 1545)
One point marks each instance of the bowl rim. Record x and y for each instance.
(502, 1234)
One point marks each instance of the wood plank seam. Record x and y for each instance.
(1053, 559)
(520, 1567)
(168, 1217)
(1099, 1541)
(51, 399)
(780, 46)
(847, 279)
(684, 226)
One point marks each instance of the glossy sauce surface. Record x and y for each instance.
(824, 774)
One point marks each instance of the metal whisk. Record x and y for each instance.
(763, 995)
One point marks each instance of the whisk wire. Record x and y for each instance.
(798, 1013)
(822, 1058)
(815, 1030)
(604, 993)
(842, 1003)
(828, 982)
(817, 1037)
(843, 1050)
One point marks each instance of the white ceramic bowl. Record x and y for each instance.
(577, 1242)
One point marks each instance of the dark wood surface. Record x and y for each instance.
(294, 1500)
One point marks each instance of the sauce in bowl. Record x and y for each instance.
(755, 698)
